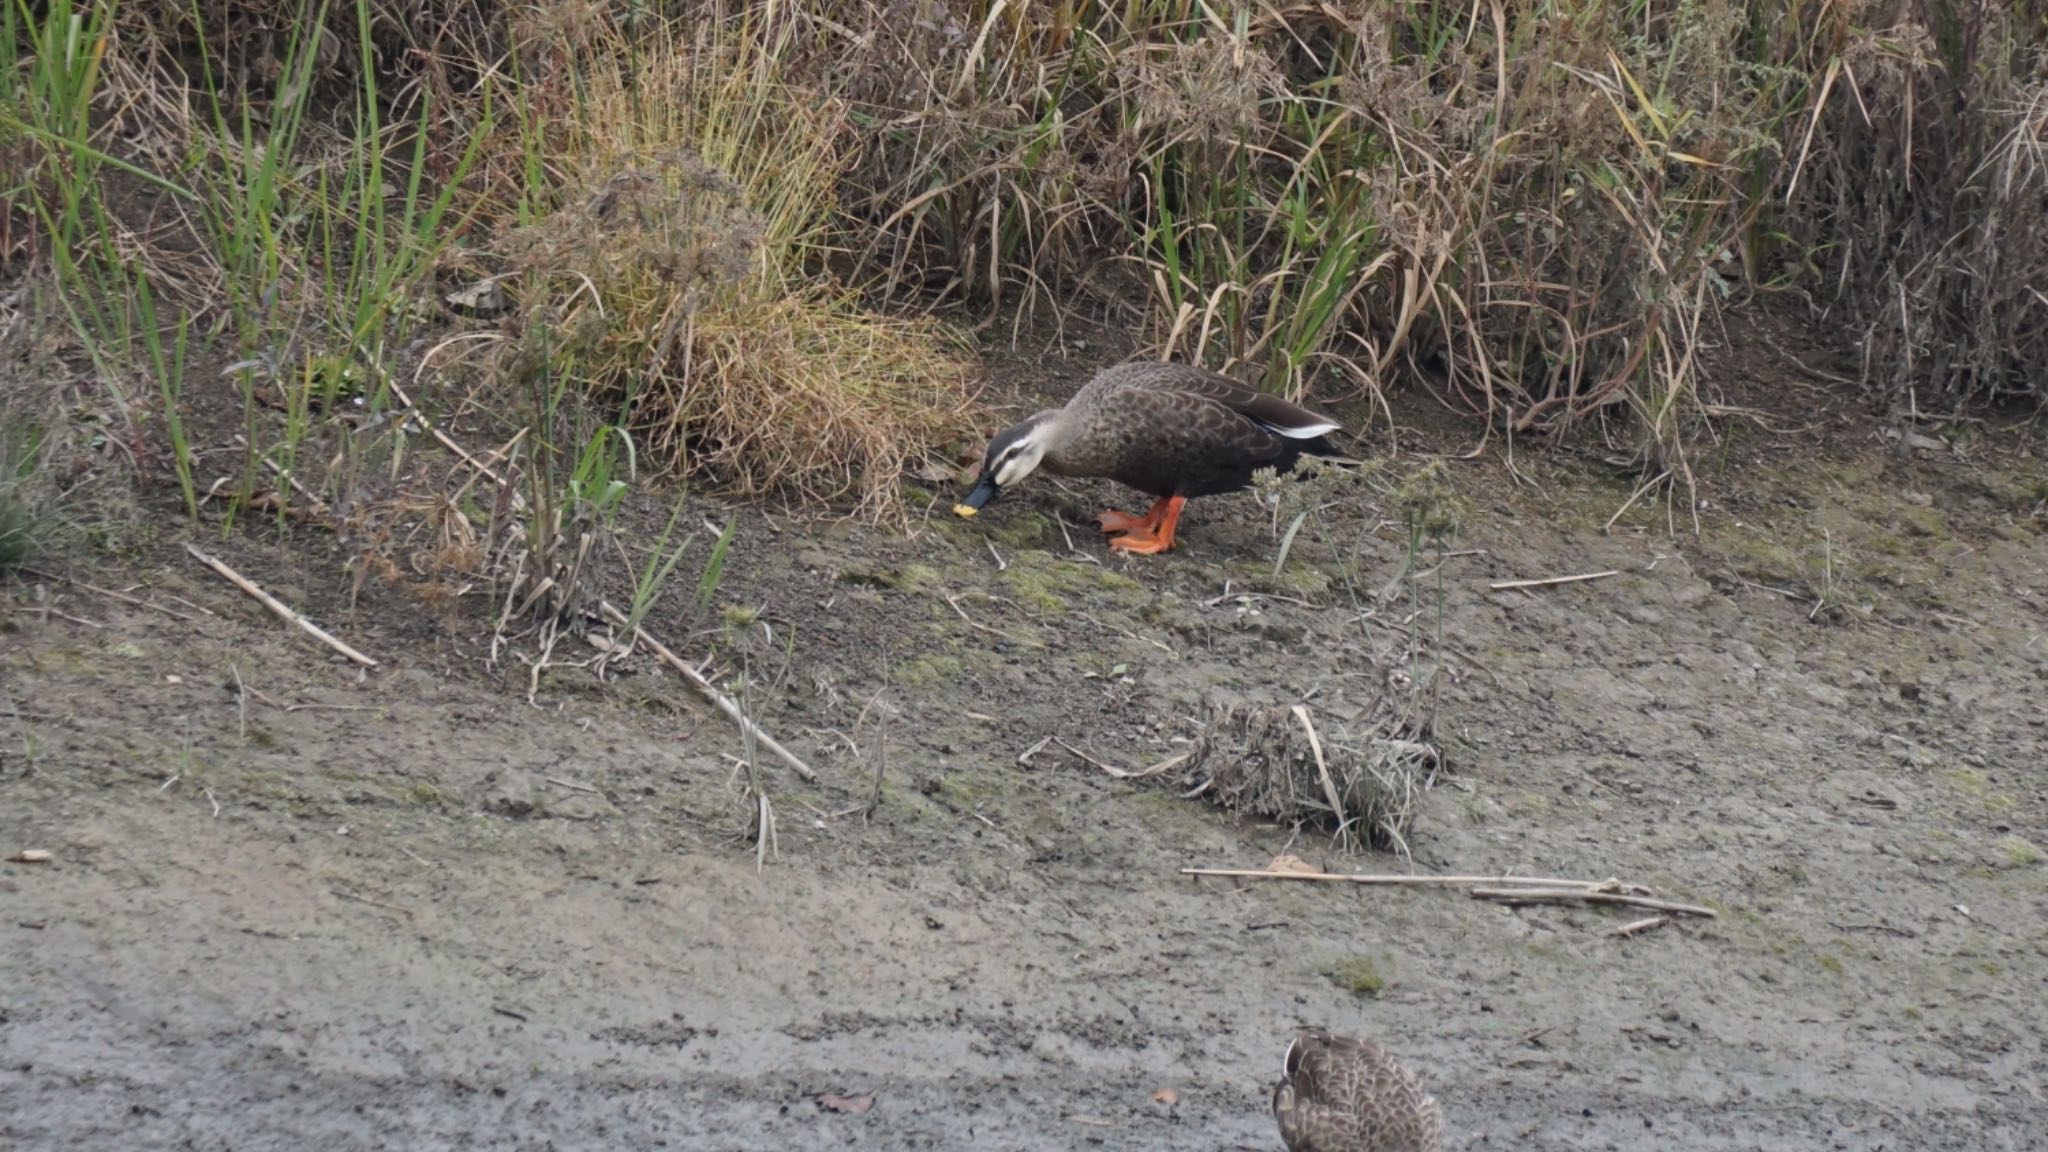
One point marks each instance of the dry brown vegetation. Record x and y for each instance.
(722, 226)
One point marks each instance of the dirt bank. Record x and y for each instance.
(296, 905)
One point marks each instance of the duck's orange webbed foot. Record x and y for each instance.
(1114, 522)
(1143, 543)
(1155, 535)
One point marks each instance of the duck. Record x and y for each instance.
(1341, 1094)
(1175, 432)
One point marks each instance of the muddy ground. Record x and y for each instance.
(291, 904)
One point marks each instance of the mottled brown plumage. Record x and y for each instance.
(1345, 1095)
(1172, 431)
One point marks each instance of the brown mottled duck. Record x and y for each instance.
(1172, 431)
(1346, 1095)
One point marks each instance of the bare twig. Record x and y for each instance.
(1590, 896)
(954, 602)
(279, 608)
(1637, 927)
(881, 760)
(1537, 883)
(764, 830)
(710, 692)
(241, 700)
(1171, 762)
(112, 595)
(1551, 580)
(572, 785)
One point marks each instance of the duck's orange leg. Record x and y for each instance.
(1155, 537)
(1114, 522)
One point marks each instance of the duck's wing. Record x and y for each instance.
(1262, 408)
(1312, 1126)
(1382, 1102)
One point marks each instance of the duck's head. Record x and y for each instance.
(1014, 454)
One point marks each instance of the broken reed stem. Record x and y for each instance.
(867, 812)
(279, 608)
(1580, 895)
(1534, 882)
(1547, 581)
(709, 691)
(1315, 745)
(1519, 890)
(110, 594)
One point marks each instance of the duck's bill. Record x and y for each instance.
(977, 499)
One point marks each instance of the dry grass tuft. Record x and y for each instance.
(1361, 782)
(687, 265)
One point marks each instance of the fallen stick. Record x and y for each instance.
(1172, 761)
(1576, 895)
(279, 608)
(110, 594)
(710, 691)
(1547, 581)
(1537, 883)
(1636, 927)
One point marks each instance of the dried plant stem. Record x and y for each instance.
(1637, 927)
(110, 594)
(1589, 896)
(1548, 581)
(1535, 883)
(710, 692)
(279, 608)
(1315, 746)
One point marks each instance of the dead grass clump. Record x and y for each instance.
(1920, 192)
(436, 44)
(1361, 783)
(1537, 207)
(692, 245)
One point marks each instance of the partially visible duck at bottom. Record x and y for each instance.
(1341, 1094)
(1172, 431)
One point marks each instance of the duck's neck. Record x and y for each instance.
(1056, 436)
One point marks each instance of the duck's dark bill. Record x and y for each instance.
(977, 499)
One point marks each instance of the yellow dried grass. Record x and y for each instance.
(699, 236)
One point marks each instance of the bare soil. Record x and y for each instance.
(294, 905)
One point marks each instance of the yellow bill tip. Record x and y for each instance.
(964, 511)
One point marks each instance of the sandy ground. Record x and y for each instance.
(291, 905)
